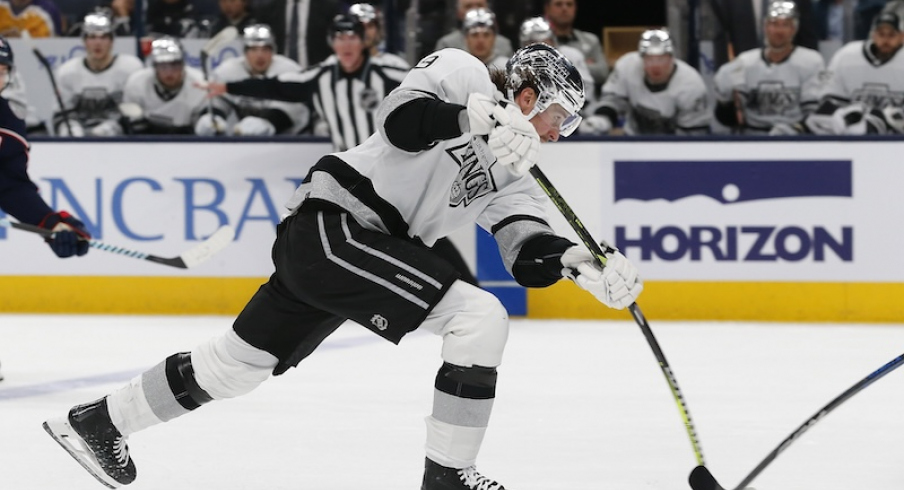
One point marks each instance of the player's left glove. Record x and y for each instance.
(106, 128)
(616, 285)
(514, 141)
(254, 126)
(70, 236)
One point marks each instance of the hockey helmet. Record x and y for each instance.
(655, 42)
(348, 24)
(258, 35)
(534, 30)
(782, 9)
(555, 79)
(364, 12)
(167, 50)
(6, 53)
(478, 19)
(97, 22)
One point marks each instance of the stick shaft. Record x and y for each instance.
(599, 252)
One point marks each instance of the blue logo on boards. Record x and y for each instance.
(732, 181)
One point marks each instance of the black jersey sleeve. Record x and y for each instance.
(417, 124)
(18, 194)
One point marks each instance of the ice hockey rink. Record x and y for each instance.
(580, 405)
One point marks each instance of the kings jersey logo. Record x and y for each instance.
(474, 177)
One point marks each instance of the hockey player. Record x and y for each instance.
(374, 33)
(776, 84)
(91, 87)
(450, 152)
(345, 89)
(18, 194)
(863, 91)
(165, 93)
(654, 91)
(480, 31)
(537, 30)
(256, 117)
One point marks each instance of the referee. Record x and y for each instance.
(344, 90)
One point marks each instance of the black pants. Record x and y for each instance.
(330, 269)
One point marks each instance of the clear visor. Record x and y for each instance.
(560, 119)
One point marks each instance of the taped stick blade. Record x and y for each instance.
(210, 247)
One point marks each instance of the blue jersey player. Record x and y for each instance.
(18, 194)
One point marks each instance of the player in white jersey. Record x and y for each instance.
(480, 30)
(537, 30)
(91, 87)
(450, 152)
(776, 84)
(372, 19)
(654, 92)
(344, 90)
(166, 93)
(17, 95)
(864, 88)
(256, 117)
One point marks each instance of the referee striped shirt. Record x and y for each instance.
(347, 102)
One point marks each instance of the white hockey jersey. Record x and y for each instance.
(855, 75)
(434, 192)
(17, 95)
(679, 106)
(167, 115)
(235, 69)
(95, 96)
(772, 93)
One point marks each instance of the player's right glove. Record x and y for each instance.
(63, 129)
(254, 126)
(70, 236)
(208, 125)
(595, 125)
(616, 285)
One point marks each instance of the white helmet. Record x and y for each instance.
(258, 35)
(478, 18)
(364, 12)
(534, 30)
(556, 80)
(166, 50)
(655, 42)
(97, 23)
(782, 9)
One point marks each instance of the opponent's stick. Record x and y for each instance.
(190, 258)
(600, 256)
(47, 67)
(222, 38)
(702, 479)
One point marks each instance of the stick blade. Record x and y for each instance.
(225, 36)
(210, 247)
(702, 479)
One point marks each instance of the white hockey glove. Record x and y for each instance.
(106, 128)
(617, 285)
(207, 125)
(514, 142)
(482, 112)
(254, 126)
(894, 117)
(785, 129)
(62, 129)
(595, 125)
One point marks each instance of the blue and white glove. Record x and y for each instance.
(70, 236)
(617, 285)
(254, 126)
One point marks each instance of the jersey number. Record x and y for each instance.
(426, 62)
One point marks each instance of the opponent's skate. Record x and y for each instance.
(438, 477)
(89, 436)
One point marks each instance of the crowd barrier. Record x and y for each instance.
(721, 229)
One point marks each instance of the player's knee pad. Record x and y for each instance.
(475, 329)
(227, 366)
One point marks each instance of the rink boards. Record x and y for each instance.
(720, 229)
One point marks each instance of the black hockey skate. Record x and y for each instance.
(89, 436)
(438, 477)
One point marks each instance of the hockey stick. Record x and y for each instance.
(222, 38)
(190, 258)
(600, 255)
(56, 90)
(702, 479)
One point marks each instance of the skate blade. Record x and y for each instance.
(64, 434)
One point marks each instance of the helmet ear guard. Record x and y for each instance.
(556, 81)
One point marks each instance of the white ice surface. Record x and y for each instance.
(580, 405)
